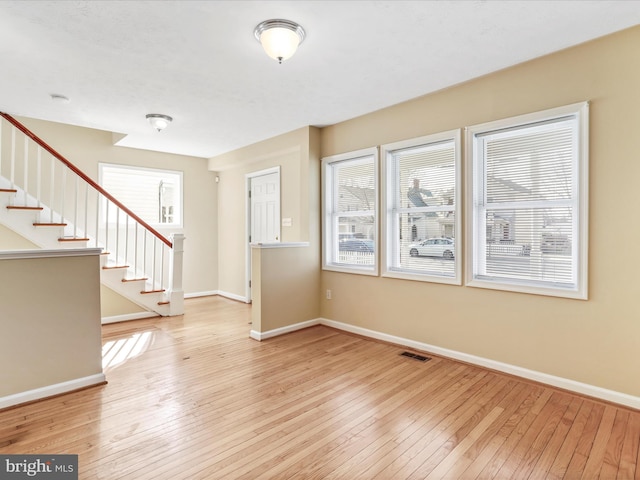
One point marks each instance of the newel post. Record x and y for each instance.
(176, 293)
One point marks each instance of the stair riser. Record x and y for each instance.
(21, 222)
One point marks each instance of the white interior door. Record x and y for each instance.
(263, 212)
(265, 208)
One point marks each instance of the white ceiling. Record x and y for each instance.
(199, 62)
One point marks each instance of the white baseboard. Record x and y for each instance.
(256, 335)
(201, 294)
(233, 296)
(559, 382)
(51, 390)
(282, 330)
(128, 316)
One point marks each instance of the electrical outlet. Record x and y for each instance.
(328, 294)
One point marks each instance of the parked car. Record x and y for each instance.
(433, 247)
(357, 245)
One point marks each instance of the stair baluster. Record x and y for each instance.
(61, 206)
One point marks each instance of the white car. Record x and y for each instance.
(433, 247)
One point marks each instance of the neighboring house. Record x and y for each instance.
(357, 198)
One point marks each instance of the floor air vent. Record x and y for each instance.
(420, 358)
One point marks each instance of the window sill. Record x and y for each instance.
(564, 292)
(351, 269)
(420, 277)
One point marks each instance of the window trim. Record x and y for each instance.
(155, 225)
(327, 228)
(581, 178)
(388, 202)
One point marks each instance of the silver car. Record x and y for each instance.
(433, 247)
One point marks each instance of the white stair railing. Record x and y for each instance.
(64, 197)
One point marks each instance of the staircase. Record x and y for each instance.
(49, 201)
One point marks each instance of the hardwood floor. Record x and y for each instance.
(193, 397)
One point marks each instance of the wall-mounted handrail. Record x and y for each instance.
(83, 176)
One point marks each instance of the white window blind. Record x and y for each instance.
(350, 206)
(529, 203)
(421, 186)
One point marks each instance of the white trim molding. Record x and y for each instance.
(233, 296)
(574, 178)
(248, 177)
(128, 316)
(279, 245)
(51, 390)
(41, 253)
(536, 376)
(282, 330)
(201, 294)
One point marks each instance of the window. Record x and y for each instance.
(421, 183)
(528, 203)
(153, 195)
(350, 193)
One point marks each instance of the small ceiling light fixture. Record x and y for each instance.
(158, 121)
(279, 38)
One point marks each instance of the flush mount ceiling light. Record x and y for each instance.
(158, 121)
(279, 38)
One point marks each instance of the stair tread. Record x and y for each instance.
(19, 199)
(23, 207)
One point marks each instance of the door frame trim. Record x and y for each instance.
(247, 216)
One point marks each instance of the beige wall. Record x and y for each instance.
(86, 148)
(296, 153)
(111, 303)
(595, 341)
(114, 304)
(9, 240)
(50, 317)
(285, 283)
(286, 280)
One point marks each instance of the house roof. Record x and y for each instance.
(199, 62)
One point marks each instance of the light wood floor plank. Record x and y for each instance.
(489, 457)
(532, 444)
(486, 445)
(568, 447)
(552, 447)
(585, 443)
(629, 453)
(314, 456)
(595, 460)
(446, 427)
(193, 397)
(443, 469)
(613, 452)
(499, 459)
(448, 433)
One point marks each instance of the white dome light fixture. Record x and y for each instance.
(279, 38)
(159, 121)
